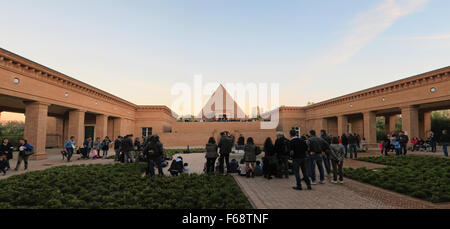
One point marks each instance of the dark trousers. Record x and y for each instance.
(386, 150)
(326, 163)
(346, 150)
(20, 159)
(151, 162)
(316, 159)
(283, 166)
(433, 146)
(69, 153)
(444, 148)
(403, 148)
(210, 163)
(353, 150)
(224, 157)
(338, 169)
(301, 164)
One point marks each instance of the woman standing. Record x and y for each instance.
(269, 161)
(211, 155)
(250, 152)
(105, 146)
(25, 151)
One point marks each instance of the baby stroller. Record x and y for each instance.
(425, 146)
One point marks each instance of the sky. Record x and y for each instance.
(315, 50)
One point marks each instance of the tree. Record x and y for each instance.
(13, 130)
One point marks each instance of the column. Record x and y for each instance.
(36, 128)
(426, 124)
(323, 124)
(410, 121)
(101, 126)
(342, 124)
(76, 126)
(370, 128)
(118, 127)
(390, 121)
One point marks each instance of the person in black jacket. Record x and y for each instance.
(299, 154)
(281, 149)
(315, 157)
(127, 147)
(225, 145)
(403, 139)
(445, 140)
(432, 139)
(7, 149)
(154, 151)
(269, 160)
(326, 157)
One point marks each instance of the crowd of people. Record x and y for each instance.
(6, 154)
(398, 143)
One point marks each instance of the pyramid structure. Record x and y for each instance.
(220, 105)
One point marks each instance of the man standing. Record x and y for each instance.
(117, 144)
(315, 155)
(69, 147)
(299, 154)
(127, 147)
(403, 139)
(225, 145)
(445, 140)
(433, 141)
(326, 157)
(353, 148)
(87, 145)
(345, 143)
(281, 149)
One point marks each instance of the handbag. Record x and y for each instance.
(28, 153)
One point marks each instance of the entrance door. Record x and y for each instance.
(89, 132)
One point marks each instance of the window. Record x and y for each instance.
(147, 131)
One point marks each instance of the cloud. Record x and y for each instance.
(429, 37)
(365, 27)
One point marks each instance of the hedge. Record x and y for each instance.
(118, 186)
(427, 178)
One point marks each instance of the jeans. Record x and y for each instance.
(69, 153)
(283, 164)
(338, 169)
(224, 157)
(345, 150)
(105, 153)
(314, 159)
(24, 159)
(433, 146)
(444, 147)
(117, 157)
(326, 162)
(403, 148)
(353, 149)
(128, 157)
(210, 163)
(297, 164)
(151, 166)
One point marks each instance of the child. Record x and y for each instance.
(95, 154)
(364, 144)
(397, 147)
(186, 168)
(242, 168)
(382, 148)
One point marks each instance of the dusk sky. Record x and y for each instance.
(315, 50)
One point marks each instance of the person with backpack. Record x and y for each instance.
(154, 151)
(281, 149)
(397, 146)
(127, 148)
(69, 147)
(250, 153)
(315, 157)
(299, 160)
(176, 167)
(25, 151)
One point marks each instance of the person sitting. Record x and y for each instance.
(176, 167)
(186, 168)
(242, 168)
(258, 169)
(234, 166)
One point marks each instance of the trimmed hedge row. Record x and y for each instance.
(118, 186)
(427, 178)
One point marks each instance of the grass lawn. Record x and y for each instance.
(118, 186)
(427, 178)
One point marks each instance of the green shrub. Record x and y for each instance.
(427, 178)
(118, 186)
